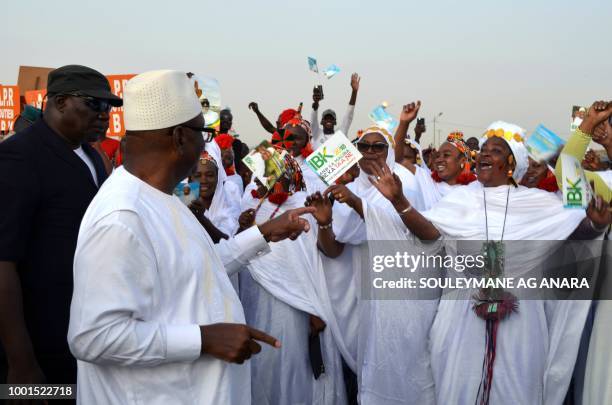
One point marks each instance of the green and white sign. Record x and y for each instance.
(576, 190)
(334, 158)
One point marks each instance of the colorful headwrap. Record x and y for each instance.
(286, 116)
(298, 121)
(378, 130)
(514, 136)
(205, 157)
(456, 139)
(285, 138)
(466, 176)
(224, 141)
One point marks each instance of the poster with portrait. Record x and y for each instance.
(267, 163)
(578, 113)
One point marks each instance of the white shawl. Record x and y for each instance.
(537, 347)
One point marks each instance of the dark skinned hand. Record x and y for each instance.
(197, 207)
(323, 207)
(596, 115)
(410, 111)
(602, 134)
(287, 225)
(387, 182)
(599, 212)
(317, 325)
(246, 219)
(233, 342)
(342, 194)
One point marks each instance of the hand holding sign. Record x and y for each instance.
(323, 207)
(600, 213)
(597, 114)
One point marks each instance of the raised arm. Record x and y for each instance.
(578, 144)
(603, 136)
(347, 119)
(390, 186)
(265, 123)
(314, 116)
(419, 130)
(408, 114)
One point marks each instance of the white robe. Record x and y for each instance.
(283, 288)
(537, 347)
(431, 191)
(146, 275)
(225, 207)
(384, 377)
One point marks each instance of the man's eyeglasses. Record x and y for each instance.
(377, 147)
(94, 104)
(207, 133)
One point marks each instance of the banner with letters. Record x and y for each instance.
(9, 107)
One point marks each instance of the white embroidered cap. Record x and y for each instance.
(159, 99)
(514, 137)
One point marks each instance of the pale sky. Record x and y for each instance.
(477, 61)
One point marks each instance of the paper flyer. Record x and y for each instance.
(187, 192)
(578, 114)
(334, 158)
(331, 71)
(543, 144)
(383, 119)
(312, 64)
(577, 191)
(266, 163)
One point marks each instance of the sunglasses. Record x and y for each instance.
(377, 147)
(207, 133)
(94, 104)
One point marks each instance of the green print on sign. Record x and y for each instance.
(320, 159)
(334, 158)
(576, 191)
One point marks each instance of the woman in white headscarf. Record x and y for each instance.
(285, 292)
(212, 207)
(536, 347)
(390, 355)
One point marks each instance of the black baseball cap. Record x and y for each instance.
(81, 80)
(328, 112)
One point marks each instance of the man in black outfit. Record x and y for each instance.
(48, 176)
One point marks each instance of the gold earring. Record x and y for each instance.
(510, 173)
